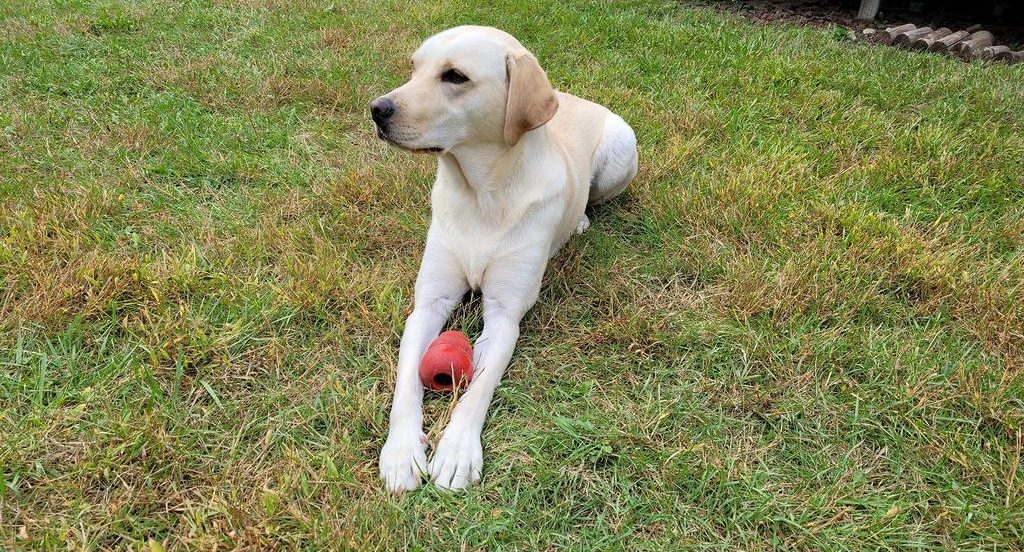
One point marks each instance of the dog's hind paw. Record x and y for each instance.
(403, 460)
(458, 461)
(582, 225)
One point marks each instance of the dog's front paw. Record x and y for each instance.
(458, 460)
(402, 461)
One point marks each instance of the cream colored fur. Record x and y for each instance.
(518, 163)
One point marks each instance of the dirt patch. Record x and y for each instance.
(1004, 19)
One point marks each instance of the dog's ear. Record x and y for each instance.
(531, 100)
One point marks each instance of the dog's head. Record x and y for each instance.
(469, 85)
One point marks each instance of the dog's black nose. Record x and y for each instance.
(381, 110)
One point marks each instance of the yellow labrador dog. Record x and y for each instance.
(517, 163)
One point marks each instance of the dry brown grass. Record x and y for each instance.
(801, 327)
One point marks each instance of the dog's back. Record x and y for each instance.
(577, 127)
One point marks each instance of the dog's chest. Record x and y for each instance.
(477, 243)
(475, 252)
(506, 233)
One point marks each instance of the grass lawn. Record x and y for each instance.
(801, 328)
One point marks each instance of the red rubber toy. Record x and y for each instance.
(448, 362)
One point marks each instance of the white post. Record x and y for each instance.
(868, 9)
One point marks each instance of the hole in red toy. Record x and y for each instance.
(443, 379)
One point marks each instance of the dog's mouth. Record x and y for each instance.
(384, 136)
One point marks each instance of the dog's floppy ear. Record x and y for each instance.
(531, 100)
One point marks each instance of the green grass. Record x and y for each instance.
(801, 328)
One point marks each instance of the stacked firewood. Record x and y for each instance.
(970, 43)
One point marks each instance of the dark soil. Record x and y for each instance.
(1005, 19)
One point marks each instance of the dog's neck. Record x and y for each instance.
(486, 168)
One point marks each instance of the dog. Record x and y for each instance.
(517, 164)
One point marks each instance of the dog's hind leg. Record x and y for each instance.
(615, 162)
(583, 224)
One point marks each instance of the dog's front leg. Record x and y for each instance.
(509, 292)
(459, 457)
(438, 291)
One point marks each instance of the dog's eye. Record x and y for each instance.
(453, 77)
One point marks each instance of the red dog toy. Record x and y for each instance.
(448, 362)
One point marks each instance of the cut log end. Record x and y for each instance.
(1009, 56)
(944, 44)
(926, 41)
(976, 41)
(990, 52)
(905, 39)
(887, 36)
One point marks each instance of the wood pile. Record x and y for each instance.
(970, 43)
